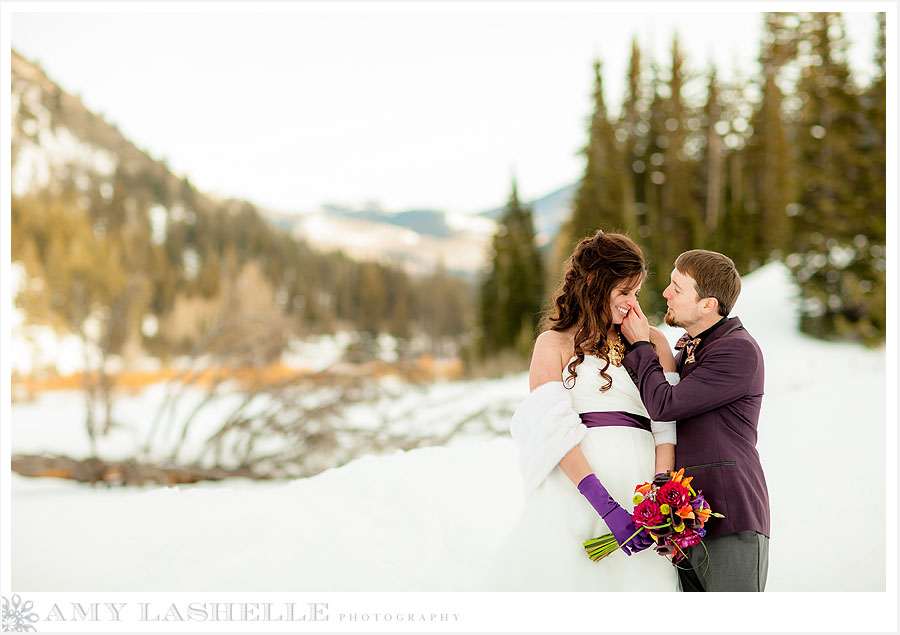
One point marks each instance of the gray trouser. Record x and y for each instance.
(735, 562)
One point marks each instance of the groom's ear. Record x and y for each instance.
(710, 305)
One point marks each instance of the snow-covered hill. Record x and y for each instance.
(419, 240)
(430, 519)
(463, 250)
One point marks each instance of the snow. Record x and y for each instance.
(325, 540)
(36, 346)
(472, 224)
(49, 150)
(417, 253)
(401, 409)
(158, 220)
(33, 347)
(429, 519)
(317, 352)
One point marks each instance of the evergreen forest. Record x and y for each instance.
(787, 165)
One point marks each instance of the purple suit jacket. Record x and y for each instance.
(716, 410)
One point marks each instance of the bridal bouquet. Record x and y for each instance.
(669, 510)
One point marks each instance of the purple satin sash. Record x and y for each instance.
(626, 419)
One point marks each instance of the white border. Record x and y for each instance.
(497, 611)
(891, 343)
(436, 6)
(5, 297)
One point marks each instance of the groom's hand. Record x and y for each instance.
(635, 326)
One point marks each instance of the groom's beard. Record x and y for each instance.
(685, 321)
(670, 319)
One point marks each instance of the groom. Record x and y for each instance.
(716, 408)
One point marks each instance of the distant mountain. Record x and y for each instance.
(419, 240)
(422, 221)
(549, 212)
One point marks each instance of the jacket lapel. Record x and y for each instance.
(726, 328)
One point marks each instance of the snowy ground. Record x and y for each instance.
(429, 519)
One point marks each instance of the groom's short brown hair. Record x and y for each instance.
(714, 274)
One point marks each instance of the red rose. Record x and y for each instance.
(675, 495)
(647, 513)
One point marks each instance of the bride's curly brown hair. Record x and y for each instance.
(599, 264)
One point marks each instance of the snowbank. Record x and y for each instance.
(429, 519)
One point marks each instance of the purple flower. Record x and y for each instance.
(699, 502)
(687, 538)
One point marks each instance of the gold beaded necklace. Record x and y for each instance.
(615, 350)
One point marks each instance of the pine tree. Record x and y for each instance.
(769, 163)
(446, 307)
(737, 219)
(839, 258)
(673, 215)
(633, 128)
(598, 202)
(681, 171)
(512, 291)
(711, 176)
(399, 300)
(872, 146)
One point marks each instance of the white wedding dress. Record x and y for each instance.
(544, 550)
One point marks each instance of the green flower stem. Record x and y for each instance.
(602, 546)
(593, 542)
(705, 556)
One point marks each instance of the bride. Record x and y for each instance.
(585, 439)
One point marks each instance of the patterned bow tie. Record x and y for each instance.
(689, 344)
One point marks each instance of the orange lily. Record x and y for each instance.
(686, 512)
(643, 489)
(677, 476)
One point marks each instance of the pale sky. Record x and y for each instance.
(425, 105)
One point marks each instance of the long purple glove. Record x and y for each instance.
(617, 519)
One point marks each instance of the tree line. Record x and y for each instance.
(87, 260)
(785, 165)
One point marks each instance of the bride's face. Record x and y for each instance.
(622, 299)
